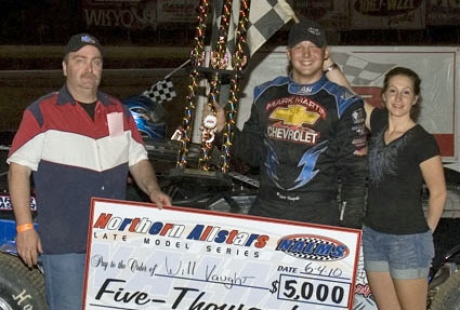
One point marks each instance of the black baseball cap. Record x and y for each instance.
(307, 30)
(77, 41)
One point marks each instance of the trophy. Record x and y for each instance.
(218, 69)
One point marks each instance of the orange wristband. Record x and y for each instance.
(24, 227)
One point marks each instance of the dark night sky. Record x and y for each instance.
(53, 21)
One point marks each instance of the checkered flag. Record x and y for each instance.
(265, 18)
(161, 91)
(358, 71)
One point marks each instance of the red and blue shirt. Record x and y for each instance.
(74, 158)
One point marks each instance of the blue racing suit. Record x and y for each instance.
(309, 142)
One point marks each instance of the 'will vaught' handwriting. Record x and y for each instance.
(175, 268)
(189, 268)
(227, 280)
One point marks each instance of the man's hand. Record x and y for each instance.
(145, 178)
(160, 198)
(28, 242)
(29, 246)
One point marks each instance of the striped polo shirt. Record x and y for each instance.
(74, 158)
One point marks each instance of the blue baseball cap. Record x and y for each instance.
(77, 41)
(307, 30)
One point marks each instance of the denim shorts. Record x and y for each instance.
(405, 257)
(64, 277)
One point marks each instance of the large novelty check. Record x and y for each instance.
(141, 257)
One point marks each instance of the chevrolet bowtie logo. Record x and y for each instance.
(294, 115)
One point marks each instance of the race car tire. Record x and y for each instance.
(448, 294)
(21, 288)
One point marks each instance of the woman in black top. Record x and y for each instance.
(397, 235)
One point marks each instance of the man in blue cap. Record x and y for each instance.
(78, 143)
